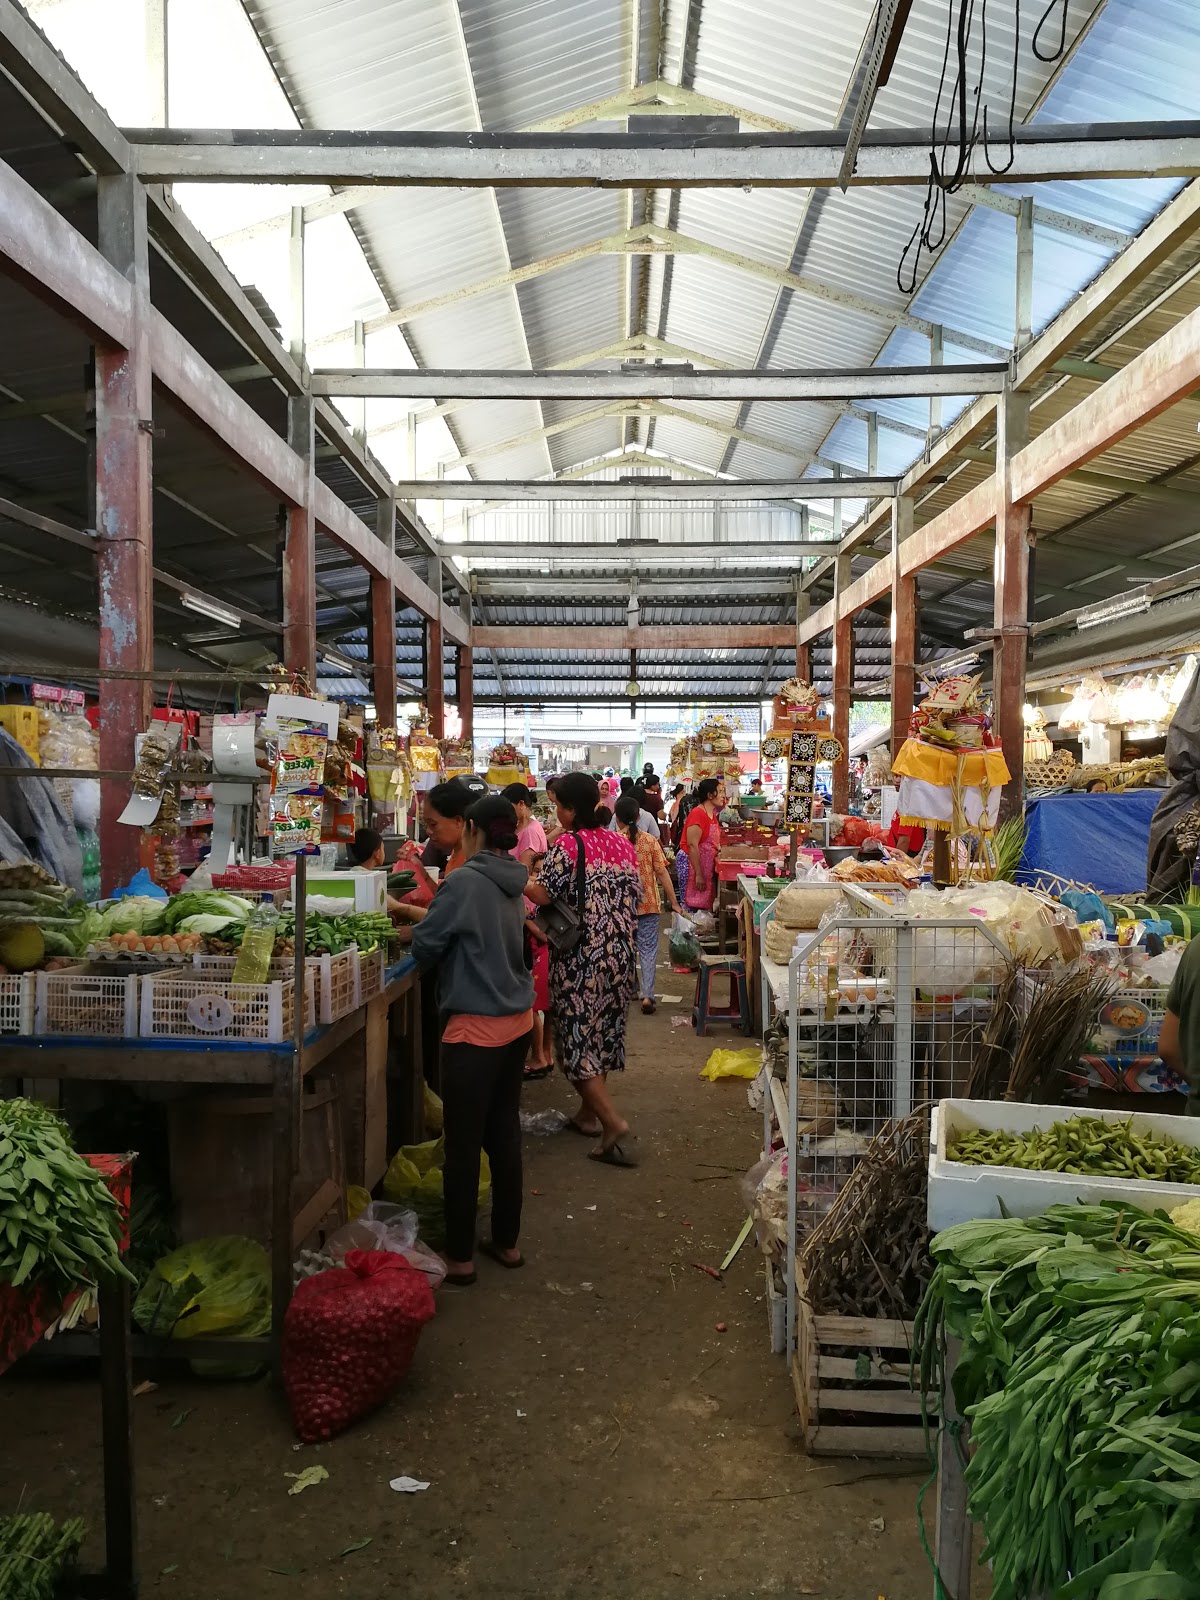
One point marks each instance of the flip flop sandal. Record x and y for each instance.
(586, 1133)
(533, 1074)
(622, 1153)
(459, 1280)
(493, 1250)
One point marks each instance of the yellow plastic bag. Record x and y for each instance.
(433, 1111)
(357, 1201)
(732, 1064)
(220, 1285)
(414, 1179)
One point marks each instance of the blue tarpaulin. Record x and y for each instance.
(1096, 839)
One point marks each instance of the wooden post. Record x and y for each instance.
(803, 651)
(465, 672)
(903, 626)
(1013, 538)
(383, 649)
(299, 555)
(124, 521)
(435, 667)
(843, 685)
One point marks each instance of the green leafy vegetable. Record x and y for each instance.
(1080, 1376)
(58, 1221)
(205, 902)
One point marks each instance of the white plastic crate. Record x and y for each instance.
(79, 1004)
(337, 984)
(282, 969)
(370, 976)
(962, 1192)
(17, 1003)
(213, 1009)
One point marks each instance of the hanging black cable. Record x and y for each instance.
(966, 116)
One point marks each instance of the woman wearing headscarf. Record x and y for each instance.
(592, 984)
(474, 933)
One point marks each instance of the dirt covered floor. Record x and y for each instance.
(585, 1429)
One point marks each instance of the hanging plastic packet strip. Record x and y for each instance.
(298, 790)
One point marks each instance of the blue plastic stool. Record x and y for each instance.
(736, 1010)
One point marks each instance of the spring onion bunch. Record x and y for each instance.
(1080, 1376)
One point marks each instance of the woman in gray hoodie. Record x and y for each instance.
(474, 932)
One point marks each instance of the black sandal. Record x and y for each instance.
(460, 1280)
(533, 1074)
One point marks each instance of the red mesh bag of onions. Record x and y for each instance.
(349, 1337)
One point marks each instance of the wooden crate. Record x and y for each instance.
(851, 1377)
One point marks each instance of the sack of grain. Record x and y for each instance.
(802, 905)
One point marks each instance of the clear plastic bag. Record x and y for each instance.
(382, 1226)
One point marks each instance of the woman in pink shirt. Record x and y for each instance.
(529, 850)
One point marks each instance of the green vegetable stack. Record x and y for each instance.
(1080, 1377)
(58, 1222)
(1084, 1145)
(39, 918)
(35, 1555)
(330, 935)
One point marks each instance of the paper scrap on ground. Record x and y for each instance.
(306, 1479)
(407, 1485)
(668, 999)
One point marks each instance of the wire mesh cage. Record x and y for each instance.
(884, 1011)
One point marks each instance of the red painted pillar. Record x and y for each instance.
(843, 691)
(465, 667)
(383, 649)
(804, 663)
(1012, 600)
(124, 524)
(300, 554)
(1013, 540)
(903, 628)
(435, 687)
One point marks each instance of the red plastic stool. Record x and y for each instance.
(736, 1010)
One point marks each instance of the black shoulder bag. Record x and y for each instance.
(560, 921)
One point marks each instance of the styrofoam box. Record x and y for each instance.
(364, 891)
(961, 1192)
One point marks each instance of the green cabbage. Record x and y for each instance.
(206, 922)
(205, 902)
(137, 913)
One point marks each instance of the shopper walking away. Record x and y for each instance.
(529, 851)
(652, 871)
(592, 984)
(701, 841)
(474, 932)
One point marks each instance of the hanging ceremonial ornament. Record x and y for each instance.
(951, 767)
(803, 738)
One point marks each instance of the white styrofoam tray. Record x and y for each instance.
(961, 1192)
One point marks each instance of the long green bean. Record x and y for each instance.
(1086, 1146)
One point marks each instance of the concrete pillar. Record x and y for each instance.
(124, 523)
(383, 649)
(465, 673)
(435, 689)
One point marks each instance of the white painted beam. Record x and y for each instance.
(647, 489)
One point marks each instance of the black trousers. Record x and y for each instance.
(481, 1108)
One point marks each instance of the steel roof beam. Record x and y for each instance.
(1044, 216)
(649, 238)
(804, 160)
(661, 383)
(648, 489)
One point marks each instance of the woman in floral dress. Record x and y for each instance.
(591, 986)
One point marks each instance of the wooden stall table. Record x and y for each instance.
(749, 945)
(373, 1054)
